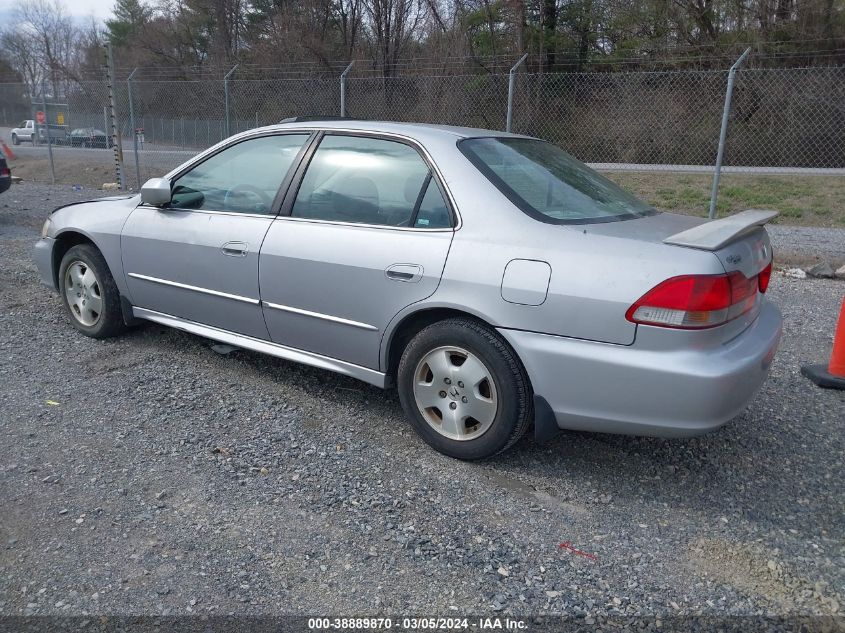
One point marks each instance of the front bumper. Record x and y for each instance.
(625, 389)
(43, 256)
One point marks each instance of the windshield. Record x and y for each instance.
(550, 185)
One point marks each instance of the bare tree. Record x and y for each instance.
(42, 43)
(391, 24)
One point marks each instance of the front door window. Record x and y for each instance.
(243, 178)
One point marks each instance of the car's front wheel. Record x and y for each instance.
(89, 293)
(464, 389)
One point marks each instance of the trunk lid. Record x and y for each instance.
(740, 243)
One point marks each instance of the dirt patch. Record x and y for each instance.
(759, 573)
(31, 169)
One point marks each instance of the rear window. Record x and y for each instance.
(550, 185)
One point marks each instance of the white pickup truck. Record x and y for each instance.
(24, 132)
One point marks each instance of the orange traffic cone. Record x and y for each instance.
(7, 152)
(832, 376)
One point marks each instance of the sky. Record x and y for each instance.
(81, 10)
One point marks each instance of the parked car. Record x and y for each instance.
(492, 278)
(89, 137)
(24, 132)
(5, 173)
(36, 133)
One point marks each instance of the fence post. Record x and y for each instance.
(117, 145)
(226, 95)
(132, 126)
(724, 131)
(343, 89)
(511, 88)
(47, 130)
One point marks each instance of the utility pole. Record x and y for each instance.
(47, 130)
(133, 131)
(115, 134)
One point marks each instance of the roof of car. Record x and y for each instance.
(414, 130)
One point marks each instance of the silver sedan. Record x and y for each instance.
(494, 280)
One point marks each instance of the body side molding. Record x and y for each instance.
(319, 315)
(207, 291)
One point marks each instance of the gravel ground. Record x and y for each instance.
(808, 243)
(150, 475)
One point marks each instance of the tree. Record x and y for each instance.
(391, 26)
(42, 43)
(130, 17)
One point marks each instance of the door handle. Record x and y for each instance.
(235, 249)
(410, 273)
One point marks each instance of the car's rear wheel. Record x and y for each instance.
(89, 293)
(464, 389)
(15, 140)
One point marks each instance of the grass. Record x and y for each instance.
(801, 200)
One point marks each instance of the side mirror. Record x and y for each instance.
(156, 192)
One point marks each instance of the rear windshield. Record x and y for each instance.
(550, 185)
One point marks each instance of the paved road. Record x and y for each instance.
(149, 475)
(726, 169)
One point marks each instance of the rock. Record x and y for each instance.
(110, 186)
(795, 273)
(503, 571)
(823, 270)
(840, 272)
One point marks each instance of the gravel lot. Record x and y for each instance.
(150, 475)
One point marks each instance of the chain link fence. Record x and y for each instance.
(782, 120)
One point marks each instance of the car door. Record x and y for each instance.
(365, 234)
(197, 259)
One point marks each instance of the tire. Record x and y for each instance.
(102, 293)
(470, 350)
(15, 140)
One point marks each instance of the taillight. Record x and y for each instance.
(697, 301)
(763, 278)
(5, 172)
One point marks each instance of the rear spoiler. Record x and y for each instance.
(713, 235)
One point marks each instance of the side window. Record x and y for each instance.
(243, 178)
(363, 180)
(433, 212)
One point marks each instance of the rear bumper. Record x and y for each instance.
(5, 183)
(43, 256)
(672, 393)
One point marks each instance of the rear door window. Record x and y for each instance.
(374, 181)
